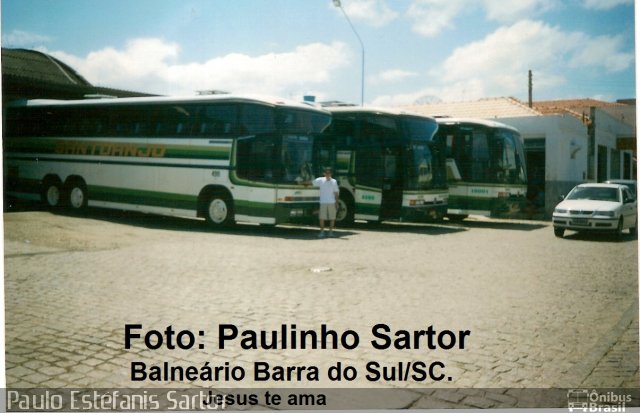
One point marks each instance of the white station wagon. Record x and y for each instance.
(597, 207)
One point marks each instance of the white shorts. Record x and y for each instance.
(328, 211)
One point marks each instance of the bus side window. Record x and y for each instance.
(257, 120)
(173, 121)
(217, 120)
(255, 158)
(184, 120)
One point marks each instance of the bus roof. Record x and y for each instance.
(473, 121)
(260, 99)
(375, 110)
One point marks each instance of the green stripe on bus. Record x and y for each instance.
(116, 149)
(141, 197)
(483, 204)
(257, 209)
(367, 209)
(463, 184)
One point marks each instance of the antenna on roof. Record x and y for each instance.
(334, 104)
(211, 92)
(99, 96)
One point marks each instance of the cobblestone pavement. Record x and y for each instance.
(543, 312)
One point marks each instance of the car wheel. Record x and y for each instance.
(558, 232)
(620, 227)
(633, 231)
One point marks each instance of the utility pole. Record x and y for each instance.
(530, 89)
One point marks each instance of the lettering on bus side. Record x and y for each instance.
(479, 191)
(109, 149)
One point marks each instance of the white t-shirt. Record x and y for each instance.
(328, 189)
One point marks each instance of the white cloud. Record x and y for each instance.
(373, 12)
(510, 11)
(19, 38)
(150, 65)
(498, 64)
(602, 51)
(391, 76)
(605, 4)
(430, 17)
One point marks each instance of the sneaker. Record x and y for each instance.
(321, 234)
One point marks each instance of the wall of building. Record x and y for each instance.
(608, 129)
(565, 151)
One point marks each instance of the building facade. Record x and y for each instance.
(566, 142)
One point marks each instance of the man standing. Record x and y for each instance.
(329, 195)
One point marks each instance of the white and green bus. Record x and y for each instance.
(386, 165)
(224, 158)
(485, 168)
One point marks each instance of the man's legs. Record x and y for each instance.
(321, 214)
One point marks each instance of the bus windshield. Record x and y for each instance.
(299, 127)
(509, 165)
(297, 152)
(423, 160)
(486, 155)
(283, 157)
(303, 122)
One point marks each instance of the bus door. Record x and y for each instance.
(392, 183)
(369, 175)
(256, 195)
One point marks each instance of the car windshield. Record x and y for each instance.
(594, 193)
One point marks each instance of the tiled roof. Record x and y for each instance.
(40, 67)
(503, 107)
(549, 107)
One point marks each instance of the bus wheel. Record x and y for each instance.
(218, 211)
(457, 217)
(345, 213)
(52, 192)
(77, 196)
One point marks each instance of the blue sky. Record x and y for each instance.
(415, 50)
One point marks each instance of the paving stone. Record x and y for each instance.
(555, 314)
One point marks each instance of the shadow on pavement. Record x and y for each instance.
(288, 231)
(500, 224)
(599, 237)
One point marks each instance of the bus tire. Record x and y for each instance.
(77, 196)
(346, 210)
(52, 192)
(457, 217)
(218, 210)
